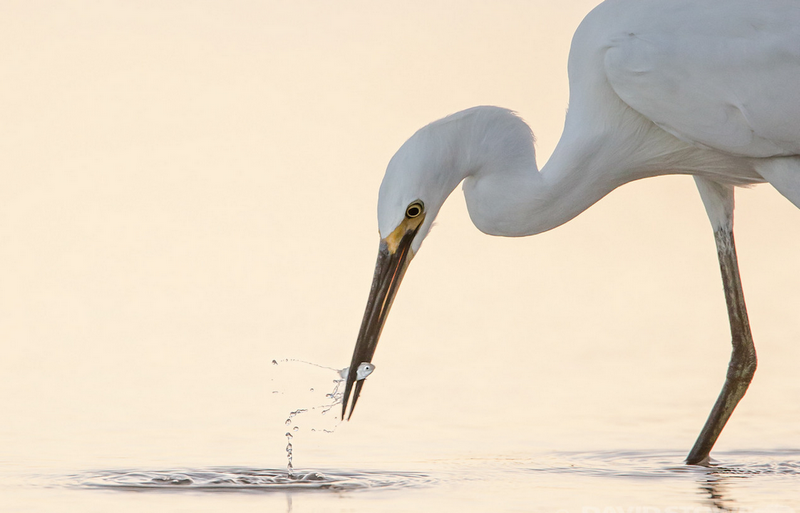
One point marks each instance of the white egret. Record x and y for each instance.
(709, 89)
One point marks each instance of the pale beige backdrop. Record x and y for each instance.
(188, 190)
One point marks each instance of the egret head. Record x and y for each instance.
(482, 146)
(418, 180)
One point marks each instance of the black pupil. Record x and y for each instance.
(413, 211)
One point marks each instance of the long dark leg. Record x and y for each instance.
(718, 200)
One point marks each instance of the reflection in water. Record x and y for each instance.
(642, 464)
(721, 487)
(716, 493)
(716, 482)
(717, 479)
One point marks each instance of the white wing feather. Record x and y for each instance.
(724, 75)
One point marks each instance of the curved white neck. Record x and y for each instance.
(507, 194)
(491, 150)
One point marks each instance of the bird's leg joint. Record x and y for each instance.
(744, 361)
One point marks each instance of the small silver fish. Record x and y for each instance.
(364, 370)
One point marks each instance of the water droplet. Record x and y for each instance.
(289, 467)
(288, 421)
(274, 362)
(296, 429)
(311, 390)
(324, 412)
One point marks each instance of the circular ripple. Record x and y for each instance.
(669, 464)
(248, 479)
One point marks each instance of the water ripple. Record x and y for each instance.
(635, 464)
(247, 479)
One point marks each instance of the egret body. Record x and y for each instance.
(709, 89)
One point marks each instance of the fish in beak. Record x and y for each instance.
(394, 255)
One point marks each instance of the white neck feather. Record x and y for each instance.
(491, 150)
(507, 195)
(505, 191)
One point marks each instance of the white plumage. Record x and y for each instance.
(709, 88)
(718, 74)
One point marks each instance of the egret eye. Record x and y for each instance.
(414, 210)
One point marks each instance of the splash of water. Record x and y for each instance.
(226, 479)
(331, 400)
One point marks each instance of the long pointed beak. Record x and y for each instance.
(394, 256)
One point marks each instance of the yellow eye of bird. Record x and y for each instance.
(414, 209)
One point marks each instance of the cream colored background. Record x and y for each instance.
(188, 189)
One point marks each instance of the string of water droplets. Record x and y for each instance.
(335, 397)
(289, 466)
